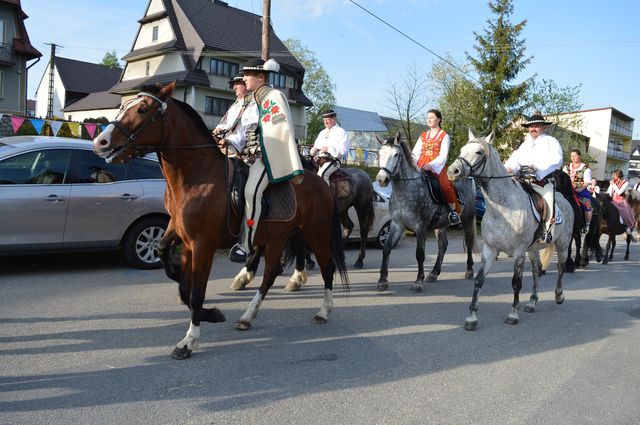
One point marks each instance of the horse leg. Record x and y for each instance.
(571, 265)
(613, 246)
(489, 255)
(299, 276)
(197, 265)
(327, 268)
(364, 233)
(165, 249)
(272, 267)
(605, 260)
(584, 254)
(421, 238)
(626, 255)
(307, 256)
(443, 243)
(469, 241)
(516, 284)
(395, 232)
(248, 272)
(562, 259)
(536, 267)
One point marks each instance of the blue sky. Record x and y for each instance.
(571, 41)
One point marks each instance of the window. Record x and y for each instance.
(93, 169)
(145, 169)
(154, 33)
(147, 67)
(1, 30)
(216, 105)
(1, 83)
(277, 80)
(38, 167)
(223, 68)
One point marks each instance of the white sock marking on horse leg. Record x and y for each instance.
(297, 279)
(327, 305)
(252, 311)
(191, 341)
(242, 279)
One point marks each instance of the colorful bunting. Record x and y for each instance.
(16, 123)
(91, 129)
(55, 126)
(74, 127)
(37, 123)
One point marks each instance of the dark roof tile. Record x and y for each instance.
(85, 77)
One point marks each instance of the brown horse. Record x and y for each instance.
(201, 217)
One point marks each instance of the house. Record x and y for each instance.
(200, 45)
(15, 51)
(72, 80)
(634, 162)
(362, 127)
(609, 131)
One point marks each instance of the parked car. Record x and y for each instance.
(57, 195)
(382, 221)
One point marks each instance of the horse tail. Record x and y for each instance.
(337, 246)
(294, 247)
(371, 214)
(546, 254)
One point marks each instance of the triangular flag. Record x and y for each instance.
(16, 123)
(91, 128)
(74, 127)
(102, 127)
(55, 126)
(37, 123)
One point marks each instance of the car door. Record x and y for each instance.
(105, 200)
(34, 198)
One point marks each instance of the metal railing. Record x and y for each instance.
(6, 53)
(614, 153)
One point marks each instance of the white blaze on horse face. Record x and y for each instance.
(388, 161)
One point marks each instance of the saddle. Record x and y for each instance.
(538, 205)
(340, 184)
(431, 180)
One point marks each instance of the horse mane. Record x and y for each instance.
(191, 113)
(407, 152)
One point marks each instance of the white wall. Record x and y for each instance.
(42, 95)
(165, 64)
(145, 36)
(80, 116)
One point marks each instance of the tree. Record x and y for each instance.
(317, 86)
(111, 60)
(501, 58)
(408, 102)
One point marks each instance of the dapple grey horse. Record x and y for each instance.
(411, 207)
(509, 225)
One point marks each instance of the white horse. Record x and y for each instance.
(509, 225)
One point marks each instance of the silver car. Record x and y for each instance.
(57, 195)
(382, 220)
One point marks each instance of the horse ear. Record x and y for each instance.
(379, 140)
(167, 90)
(490, 137)
(398, 138)
(471, 136)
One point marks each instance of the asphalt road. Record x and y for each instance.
(86, 340)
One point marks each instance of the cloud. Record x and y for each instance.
(303, 10)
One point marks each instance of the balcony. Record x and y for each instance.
(7, 57)
(618, 154)
(621, 130)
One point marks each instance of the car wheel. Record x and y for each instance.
(140, 243)
(383, 234)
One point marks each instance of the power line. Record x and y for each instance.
(415, 41)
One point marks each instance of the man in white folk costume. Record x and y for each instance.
(331, 146)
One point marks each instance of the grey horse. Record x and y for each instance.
(411, 207)
(509, 225)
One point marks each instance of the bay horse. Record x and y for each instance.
(509, 225)
(611, 226)
(584, 242)
(411, 207)
(360, 197)
(196, 198)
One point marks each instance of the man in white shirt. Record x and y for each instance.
(230, 132)
(543, 154)
(330, 146)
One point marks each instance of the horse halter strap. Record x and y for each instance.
(131, 135)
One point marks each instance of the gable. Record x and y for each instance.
(85, 77)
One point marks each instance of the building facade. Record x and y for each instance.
(363, 130)
(15, 51)
(201, 45)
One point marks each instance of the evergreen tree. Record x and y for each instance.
(500, 59)
(111, 60)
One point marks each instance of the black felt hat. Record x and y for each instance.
(237, 79)
(536, 119)
(328, 113)
(257, 64)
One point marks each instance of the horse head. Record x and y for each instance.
(473, 157)
(139, 126)
(389, 157)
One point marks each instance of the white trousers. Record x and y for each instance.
(547, 193)
(257, 182)
(327, 169)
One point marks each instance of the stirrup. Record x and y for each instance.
(546, 237)
(585, 229)
(237, 254)
(454, 218)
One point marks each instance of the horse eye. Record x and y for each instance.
(478, 152)
(142, 110)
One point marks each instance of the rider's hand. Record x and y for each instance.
(222, 143)
(426, 167)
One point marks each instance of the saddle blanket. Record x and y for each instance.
(559, 218)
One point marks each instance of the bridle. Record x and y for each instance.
(392, 173)
(477, 168)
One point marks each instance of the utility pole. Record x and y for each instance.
(51, 80)
(266, 20)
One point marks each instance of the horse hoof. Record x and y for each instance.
(530, 308)
(241, 325)
(382, 286)
(416, 288)
(358, 264)
(470, 325)
(468, 274)
(543, 272)
(511, 320)
(431, 277)
(212, 315)
(180, 353)
(310, 265)
(318, 320)
(559, 299)
(626, 257)
(292, 287)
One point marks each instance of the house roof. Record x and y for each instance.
(98, 100)
(22, 44)
(615, 111)
(358, 120)
(85, 77)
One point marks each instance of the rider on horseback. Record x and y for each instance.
(543, 154)
(430, 153)
(330, 146)
(271, 149)
(618, 191)
(580, 174)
